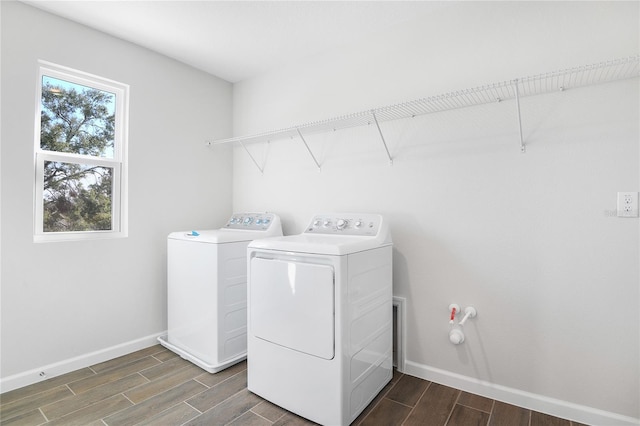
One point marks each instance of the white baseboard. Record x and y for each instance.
(543, 404)
(56, 369)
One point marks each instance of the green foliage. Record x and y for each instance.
(77, 197)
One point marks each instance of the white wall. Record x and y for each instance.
(527, 239)
(65, 304)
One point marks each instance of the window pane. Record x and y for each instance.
(76, 119)
(76, 197)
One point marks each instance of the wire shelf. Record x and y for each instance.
(586, 75)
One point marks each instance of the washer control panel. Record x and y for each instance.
(250, 221)
(345, 224)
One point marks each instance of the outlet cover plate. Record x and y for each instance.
(627, 204)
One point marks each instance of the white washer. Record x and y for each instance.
(320, 317)
(207, 290)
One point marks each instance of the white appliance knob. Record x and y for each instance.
(327, 223)
(316, 222)
(247, 220)
(341, 224)
(358, 224)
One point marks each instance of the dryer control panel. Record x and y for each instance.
(365, 225)
(251, 221)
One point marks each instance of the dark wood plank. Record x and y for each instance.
(176, 415)
(165, 368)
(45, 385)
(475, 401)
(466, 416)
(228, 410)
(383, 393)
(163, 384)
(541, 419)
(25, 405)
(93, 412)
(157, 404)
(269, 411)
(250, 419)
(165, 355)
(69, 405)
(211, 380)
(123, 360)
(408, 390)
(434, 407)
(31, 418)
(112, 374)
(387, 412)
(396, 376)
(290, 419)
(215, 395)
(509, 415)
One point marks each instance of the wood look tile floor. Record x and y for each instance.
(154, 386)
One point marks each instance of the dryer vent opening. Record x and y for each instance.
(395, 336)
(399, 304)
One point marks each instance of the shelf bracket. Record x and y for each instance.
(515, 85)
(375, 119)
(252, 158)
(308, 149)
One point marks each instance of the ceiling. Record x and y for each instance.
(236, 40)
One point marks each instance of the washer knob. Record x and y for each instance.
(327, 223)
(317, 222)
(341, 224)
(358, 224)
(247, 220)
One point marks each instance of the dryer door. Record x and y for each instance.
(292, 304)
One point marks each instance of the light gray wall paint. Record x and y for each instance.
(526, 238)
(65, 300)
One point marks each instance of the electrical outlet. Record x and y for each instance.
(627, 204)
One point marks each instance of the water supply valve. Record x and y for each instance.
(469, 312)
(456, 335)
(454, 309)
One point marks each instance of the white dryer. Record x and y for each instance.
(320, 317)
(207, 290)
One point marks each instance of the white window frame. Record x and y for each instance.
(119, 193)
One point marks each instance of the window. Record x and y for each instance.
(80, 156)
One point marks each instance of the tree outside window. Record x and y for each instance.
(79, 156)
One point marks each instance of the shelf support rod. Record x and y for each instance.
(308, 149)
(375, 119)
(252, 158)
(522, 147)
